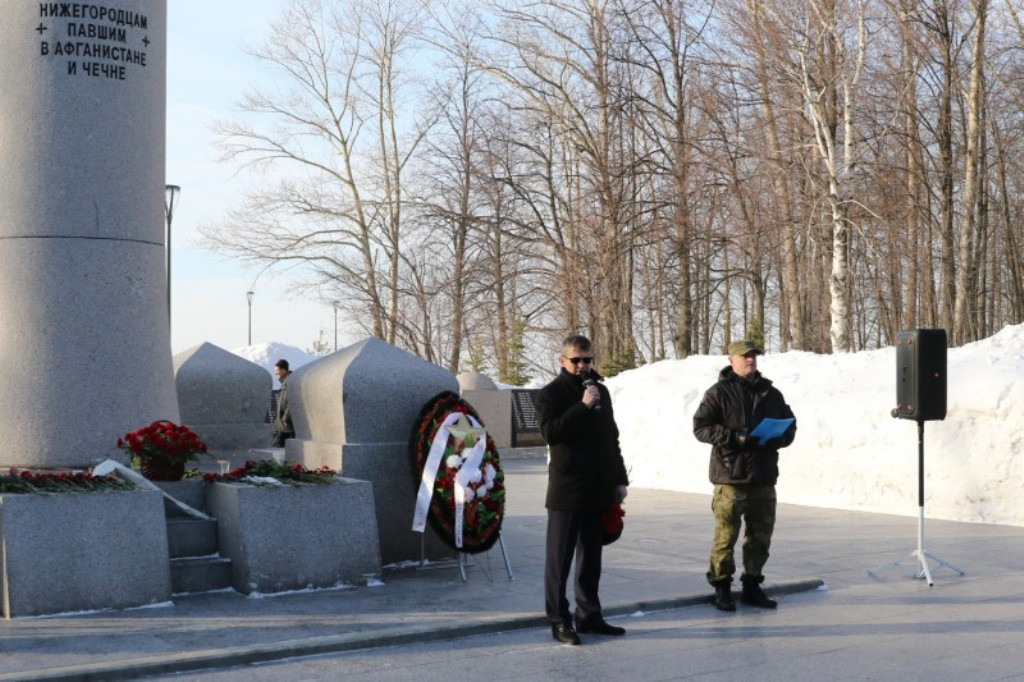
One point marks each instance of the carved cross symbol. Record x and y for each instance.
(40, 29)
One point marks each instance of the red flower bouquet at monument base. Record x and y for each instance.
(161, 449)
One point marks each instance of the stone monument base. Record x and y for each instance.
(282, 538)
(68, 552)
(380, 463)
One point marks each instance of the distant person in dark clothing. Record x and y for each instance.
(283, 428)
(743, 470)
(586, 475)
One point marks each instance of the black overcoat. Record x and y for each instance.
(586, 464)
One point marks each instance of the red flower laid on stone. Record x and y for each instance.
(16, 481)
(291, 474)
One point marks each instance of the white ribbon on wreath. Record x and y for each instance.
(470, 465)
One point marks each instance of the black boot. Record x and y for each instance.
(755, 596)
(723, 596)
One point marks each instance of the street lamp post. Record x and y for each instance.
(335, 326)
(248, 296)
(170, 198)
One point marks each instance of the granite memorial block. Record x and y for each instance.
(83, 278)
(354, 411)
(282, 538)
(492, 404)
(525, 420)
(223, 397)
(68, 552)
(474, 381)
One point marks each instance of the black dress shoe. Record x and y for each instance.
(565, 634)
(599, 627)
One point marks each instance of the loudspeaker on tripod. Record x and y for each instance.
(921, 374)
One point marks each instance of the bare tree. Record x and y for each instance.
(830, 71)
(764, 31)
(662, 41)
(968, 251)
(448, 183)
(328, 145)
(557, 59)
(659, 174)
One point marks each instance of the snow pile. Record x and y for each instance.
(267, 353)
(849, 452)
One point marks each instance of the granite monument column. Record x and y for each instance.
(85, 352)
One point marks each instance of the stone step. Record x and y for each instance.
(191, 491)
(188, 536)
(200, 574)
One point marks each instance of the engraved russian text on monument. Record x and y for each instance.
(525, 425)
(93, 40)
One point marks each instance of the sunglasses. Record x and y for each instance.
(577, 361)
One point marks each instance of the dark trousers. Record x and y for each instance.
(571, 533)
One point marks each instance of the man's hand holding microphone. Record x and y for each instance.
(591, 394)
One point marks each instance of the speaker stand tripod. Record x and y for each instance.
(922, 555)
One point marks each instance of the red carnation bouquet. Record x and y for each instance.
(163, 443)
(612, 523)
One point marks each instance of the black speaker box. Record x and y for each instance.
(921, 374)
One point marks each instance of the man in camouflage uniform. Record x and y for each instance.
(743, 470)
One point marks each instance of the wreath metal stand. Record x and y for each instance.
(921, 554)
(465, 559)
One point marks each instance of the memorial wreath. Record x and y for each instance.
(461, 487)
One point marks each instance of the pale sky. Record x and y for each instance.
(207, 74)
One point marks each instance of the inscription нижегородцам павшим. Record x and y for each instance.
(93, 40)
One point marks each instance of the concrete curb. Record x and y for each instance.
(209, 659)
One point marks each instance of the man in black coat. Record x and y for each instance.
(586, 475)
(743, 469)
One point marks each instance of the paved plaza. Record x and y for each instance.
(849, 606)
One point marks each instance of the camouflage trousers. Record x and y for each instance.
(755, 507)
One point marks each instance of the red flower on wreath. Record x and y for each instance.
(484, 503)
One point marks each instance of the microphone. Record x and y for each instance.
(588, 381)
